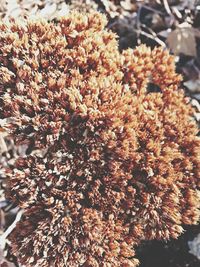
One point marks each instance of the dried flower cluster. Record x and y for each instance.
(112, 146)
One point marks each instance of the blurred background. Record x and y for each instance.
(172, 24)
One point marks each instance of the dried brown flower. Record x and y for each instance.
(113, 147)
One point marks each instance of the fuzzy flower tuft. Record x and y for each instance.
(112, 147)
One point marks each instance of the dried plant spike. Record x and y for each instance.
(113, 152)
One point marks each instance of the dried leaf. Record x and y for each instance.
(3, 146)
(48, 10)
(195, 246)
(193, 85)
(182, 40)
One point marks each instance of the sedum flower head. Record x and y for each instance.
(112, 145)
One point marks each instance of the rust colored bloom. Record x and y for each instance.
(113, 147)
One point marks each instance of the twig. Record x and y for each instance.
(3, 237)
(153, 9)
(167, 8)
(138, 24)
(151, 36)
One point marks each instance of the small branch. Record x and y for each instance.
(153, 9)
(155, 38)
(3, 237)
(167, 8)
